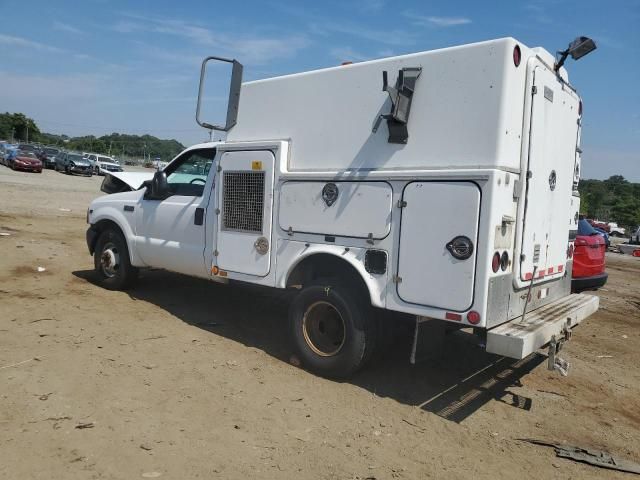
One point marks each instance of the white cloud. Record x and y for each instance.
(25, 43)
(385, 37)
(437, 21)
(249, 49)
(65, 27)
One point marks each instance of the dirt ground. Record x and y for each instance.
(180, 378)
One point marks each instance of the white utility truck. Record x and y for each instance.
(440, 184)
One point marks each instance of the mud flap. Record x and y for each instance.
(428, 339)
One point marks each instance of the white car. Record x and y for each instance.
(615, 230)
(103, 164)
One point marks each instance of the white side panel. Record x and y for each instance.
(360, 209)
(239, 200)
(552, 154)
(437, 212)
(466, 112)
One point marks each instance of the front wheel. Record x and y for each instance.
(332, 329)
(112, 263)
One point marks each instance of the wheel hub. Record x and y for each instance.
(323, 329)
(109, 260)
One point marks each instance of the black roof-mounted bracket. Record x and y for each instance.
(401, 96)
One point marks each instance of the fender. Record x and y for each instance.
(110, 212)
(291, 253)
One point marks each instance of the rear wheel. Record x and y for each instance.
(332, 329)
(112, 263)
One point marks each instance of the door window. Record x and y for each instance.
(188, 175)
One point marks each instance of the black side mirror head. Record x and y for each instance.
(157, 187)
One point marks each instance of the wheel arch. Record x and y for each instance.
(104, 222)
(327, 264)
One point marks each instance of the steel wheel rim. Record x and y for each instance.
(109, 260)
(323, 329)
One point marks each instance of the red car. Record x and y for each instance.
(26, 161)
(588, 259)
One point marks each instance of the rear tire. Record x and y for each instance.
(112, 263)
(332, 329)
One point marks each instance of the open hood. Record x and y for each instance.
(116, 182)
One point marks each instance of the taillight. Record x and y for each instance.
(504, 261)
(473, 317)
(517, 55)
(580, 242)
(495, 262)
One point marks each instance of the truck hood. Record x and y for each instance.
(115, 182)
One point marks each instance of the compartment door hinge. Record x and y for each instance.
(397, 279)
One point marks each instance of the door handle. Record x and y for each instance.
(199, 217)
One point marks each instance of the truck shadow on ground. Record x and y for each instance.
(454, 385)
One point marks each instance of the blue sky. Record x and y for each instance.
(98, 66)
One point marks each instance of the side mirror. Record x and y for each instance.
(235, 83)
(158, 188)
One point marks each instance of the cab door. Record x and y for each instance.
(245, 199)
(170, 233)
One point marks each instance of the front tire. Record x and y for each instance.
(332, 329)
(112, 263)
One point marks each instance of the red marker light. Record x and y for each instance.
(495, 262)
(517, 55)
(473, 317)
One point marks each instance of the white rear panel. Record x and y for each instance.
(359, 210)
(435, 213)
(245, 196)
(552, 153)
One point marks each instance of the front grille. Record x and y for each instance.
(243, 201)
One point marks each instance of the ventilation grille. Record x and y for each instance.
(243, 201)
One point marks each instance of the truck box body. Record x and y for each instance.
(484, 145)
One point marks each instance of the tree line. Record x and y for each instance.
(21, 128)
(614, 199)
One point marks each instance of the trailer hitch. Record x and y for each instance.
(554, 362)
(401, 97)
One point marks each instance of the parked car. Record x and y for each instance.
(6, 150)
(604, 235)
(104, 165)
(73, 163)
(601, 225)
(48, 156)
(27, 161)
(27, 147)
(588, 259)
(615, 230)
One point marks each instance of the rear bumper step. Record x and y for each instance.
(517, 339)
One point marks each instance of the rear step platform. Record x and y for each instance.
(518, 339)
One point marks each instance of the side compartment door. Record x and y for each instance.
(435, 214)
(245, 197)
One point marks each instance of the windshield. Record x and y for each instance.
(105, 159)
(51, 151)
(75, 158)
(27, 154)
